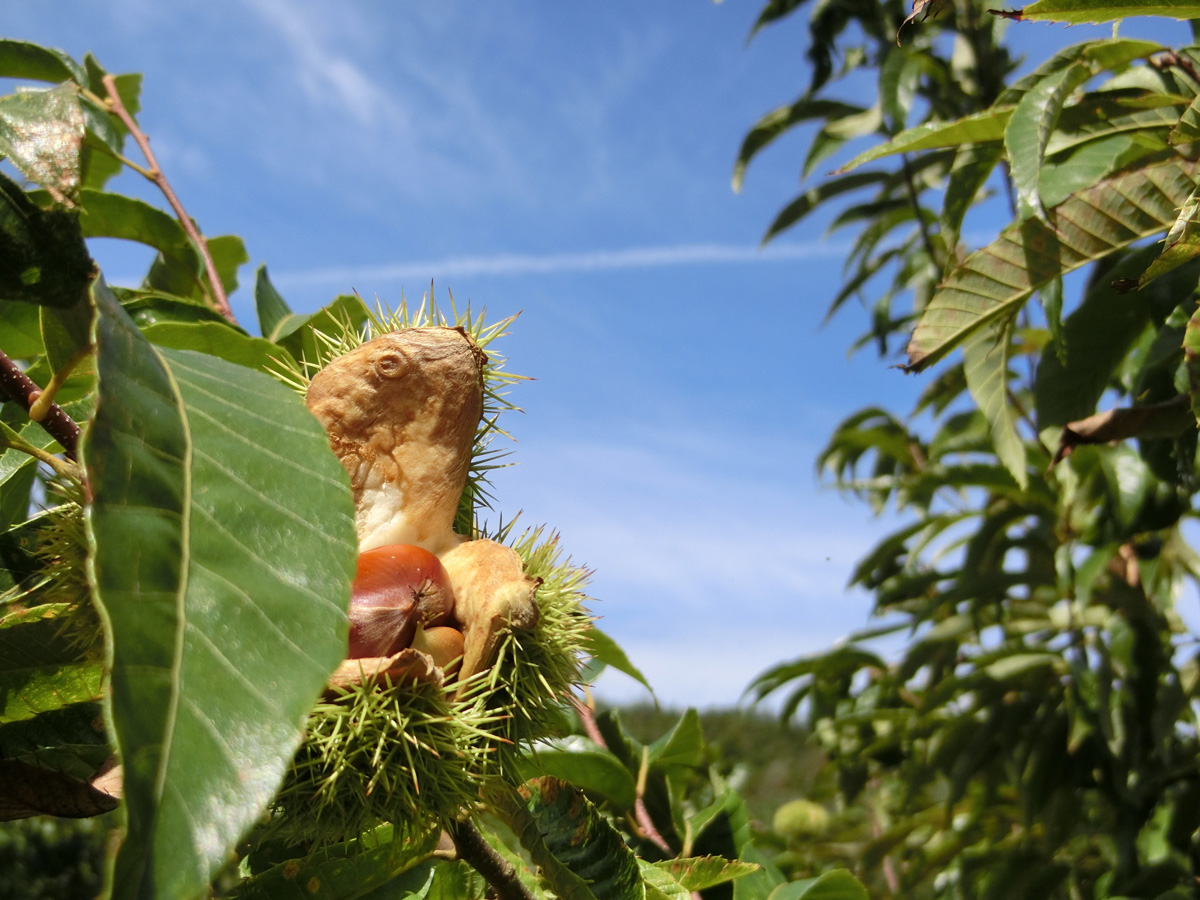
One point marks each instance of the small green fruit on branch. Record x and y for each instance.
(16, 386)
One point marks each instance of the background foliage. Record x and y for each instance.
(1036, 734)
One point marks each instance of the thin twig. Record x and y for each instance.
(496, 870)
(641, 814)
(17, 386)
(155, 174)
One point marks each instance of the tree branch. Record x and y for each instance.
(498, 872)
(155, 174)
(17, 386)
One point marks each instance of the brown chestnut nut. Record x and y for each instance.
(443, 643)
(397, 588)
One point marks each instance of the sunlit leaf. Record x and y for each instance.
(1078, 12)
(978, 128)
(586, 765)
(602, 647)
(226, 621)
(1030, 127)
(41, 132)
(20, 333)
(399, 868)
(1182, 242)
(228, 252)
(116, 216)
(21, 59)
(270, 306)
(994, 282)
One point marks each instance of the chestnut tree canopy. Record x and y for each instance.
(1035, 735)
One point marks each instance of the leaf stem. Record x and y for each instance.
(18, 387)
(497, 871)
(155, 174)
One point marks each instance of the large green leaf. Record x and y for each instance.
(985, 363)
(20, 333)
(1092, 161)
(1030, 127)
(994, 282)
(297, 333)
(600, 646)
(229, 254)
(1078, 12)
(697, 873)
(223, 549)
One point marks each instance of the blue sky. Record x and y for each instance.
(570, 162)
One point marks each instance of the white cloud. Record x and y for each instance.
(326, 75)
(709, 568)
(546, 263)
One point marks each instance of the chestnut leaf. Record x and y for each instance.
(222, 531)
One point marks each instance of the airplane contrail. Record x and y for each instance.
(538, 264)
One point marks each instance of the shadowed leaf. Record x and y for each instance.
(985, 364)
(41, 132)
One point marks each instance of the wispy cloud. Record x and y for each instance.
(550, 263)
(709, 566)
